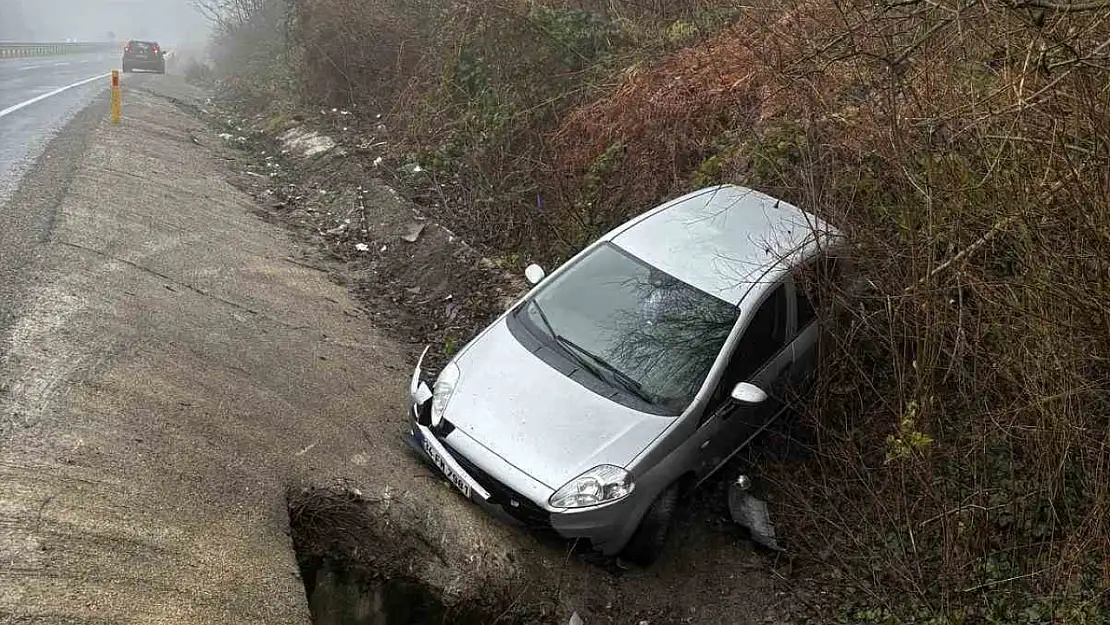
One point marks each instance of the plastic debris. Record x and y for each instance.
(752, 513)
(309, 143)
(362, 247)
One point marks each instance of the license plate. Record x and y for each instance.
(446, 470)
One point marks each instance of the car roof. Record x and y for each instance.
(725, 239)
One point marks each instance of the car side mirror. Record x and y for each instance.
(534, 273)
(748, 394)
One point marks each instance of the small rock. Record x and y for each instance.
(414, 232)
(453, 309)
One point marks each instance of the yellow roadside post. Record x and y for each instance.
(115, 96)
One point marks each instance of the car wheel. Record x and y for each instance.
(647, 543)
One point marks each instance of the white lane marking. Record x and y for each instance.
(21, 105)
(29, 68)
(62, 64)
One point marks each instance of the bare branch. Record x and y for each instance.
(1066, 7)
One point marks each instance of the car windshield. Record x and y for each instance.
(654, 334)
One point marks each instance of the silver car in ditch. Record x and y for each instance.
(632, 373)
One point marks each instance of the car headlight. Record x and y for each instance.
(599, 485)
(442, 391)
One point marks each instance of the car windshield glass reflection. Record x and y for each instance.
(645, 331)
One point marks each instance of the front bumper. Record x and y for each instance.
(607, 528)
(495, 506)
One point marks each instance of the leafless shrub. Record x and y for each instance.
(228, 16)
(361, 53)
(965, 145)
(966, 148)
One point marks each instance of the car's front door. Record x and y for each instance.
(762, 356)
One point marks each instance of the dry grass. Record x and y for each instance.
(961, 463)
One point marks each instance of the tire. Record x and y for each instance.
(650, 538)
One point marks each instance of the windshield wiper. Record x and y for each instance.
(589, 361)
(568, 347)
(543, 317)
(615, 374)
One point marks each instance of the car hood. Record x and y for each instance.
(538, 419)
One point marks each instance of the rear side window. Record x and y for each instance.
(809, 280)
(763, 338)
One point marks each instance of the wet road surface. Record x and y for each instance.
(25, 131)
(38, 97)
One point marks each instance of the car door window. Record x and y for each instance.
(764, 337)
(809, 279)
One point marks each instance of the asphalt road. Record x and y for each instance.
(37, 100)
(25, 132)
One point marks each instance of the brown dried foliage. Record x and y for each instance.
(966, 149)
(667, 117)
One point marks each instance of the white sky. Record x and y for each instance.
(168, 21)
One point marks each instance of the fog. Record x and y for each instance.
(171, 22)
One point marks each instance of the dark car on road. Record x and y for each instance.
(146, 55)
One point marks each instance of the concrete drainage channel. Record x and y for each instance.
(355, 576)
(339, 594)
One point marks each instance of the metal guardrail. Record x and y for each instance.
(18, 50)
